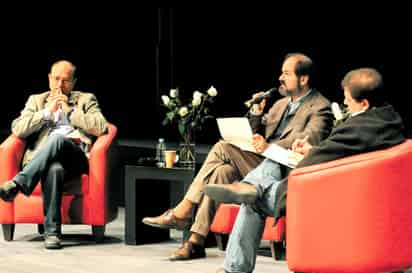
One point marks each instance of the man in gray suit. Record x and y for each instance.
(303, 112)
(59, 127)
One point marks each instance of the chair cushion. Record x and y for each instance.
(225, 218)
(273, 232)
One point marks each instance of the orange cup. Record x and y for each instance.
(170, 158)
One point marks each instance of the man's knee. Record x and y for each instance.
(223, 150)
(56, 139)
(55, 169)
(225, 174)
(222, 145)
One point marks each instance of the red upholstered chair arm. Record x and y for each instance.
(98, 165)
(225, 218)
(11, 153)
(340, 210)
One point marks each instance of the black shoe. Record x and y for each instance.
(8, 191)
(52, 241)
(237, 193)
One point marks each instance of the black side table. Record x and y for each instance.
(149, 191)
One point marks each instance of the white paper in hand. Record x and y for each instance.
(282, 155)
(236, 131)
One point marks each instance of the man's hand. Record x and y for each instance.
(57, 99)
(258, 108)
(65, 107)
(259, 143)
(301, 146)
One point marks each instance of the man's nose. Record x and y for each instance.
(60, 84)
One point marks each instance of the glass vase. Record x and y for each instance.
(187, 158)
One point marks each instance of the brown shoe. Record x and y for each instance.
(188, 251)
(167, 221)
(232, 193)
(8, 191)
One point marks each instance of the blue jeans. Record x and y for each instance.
(247, 232)
(58, 159)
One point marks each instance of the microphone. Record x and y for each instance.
(258, 99)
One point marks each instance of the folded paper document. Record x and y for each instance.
(237, 131)
(283, 156)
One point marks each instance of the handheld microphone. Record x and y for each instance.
(269, 93)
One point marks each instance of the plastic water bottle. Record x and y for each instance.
(160, 152)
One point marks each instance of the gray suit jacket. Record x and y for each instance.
(86, 117)
(313, 118)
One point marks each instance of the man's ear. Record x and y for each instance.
(74, 82)
(304, 80)
(365, 104)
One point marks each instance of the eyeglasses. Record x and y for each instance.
(63, 80)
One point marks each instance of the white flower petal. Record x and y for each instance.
(183, 111)
(197, 95)
(212, 91)
(165, 100)
(173, 93)
(196, 101)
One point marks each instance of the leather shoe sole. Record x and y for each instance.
(225, 194)
(167, 221)
(188, 251)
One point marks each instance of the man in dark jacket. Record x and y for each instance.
(372, 125)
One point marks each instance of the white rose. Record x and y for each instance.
(196, 101)
(165, 100)
(173, 93)
(212, 91)
(183, 111)
(197, 95)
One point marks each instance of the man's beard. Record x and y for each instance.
(284, 91)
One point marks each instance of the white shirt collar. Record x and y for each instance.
(357, 113)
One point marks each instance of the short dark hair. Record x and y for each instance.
(365, 83)
(304, 65)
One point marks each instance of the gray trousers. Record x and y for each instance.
(246, 235)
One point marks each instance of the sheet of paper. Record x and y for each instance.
(282, 155)
(236, 131)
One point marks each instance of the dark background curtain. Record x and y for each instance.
(130, 57)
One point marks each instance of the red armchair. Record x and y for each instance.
(352, 214)
(85, 201)
(225, 219)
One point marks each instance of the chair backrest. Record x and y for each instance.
(353, 214)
